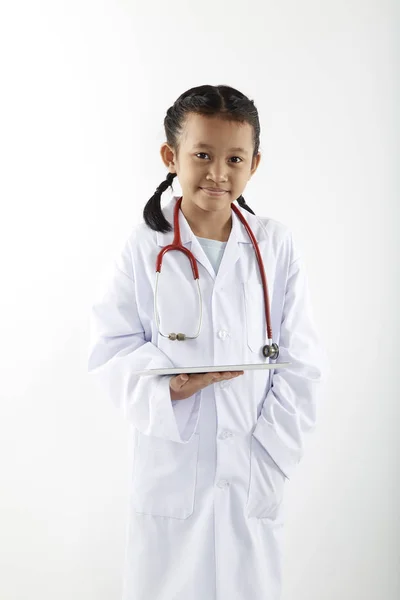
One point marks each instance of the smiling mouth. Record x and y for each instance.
(214, 191)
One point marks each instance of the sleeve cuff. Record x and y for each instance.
(176, 423)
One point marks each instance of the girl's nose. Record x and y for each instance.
(218, 175)
(218, 171)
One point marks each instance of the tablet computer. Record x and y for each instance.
(213, 369)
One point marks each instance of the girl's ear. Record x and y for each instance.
(255, 163)
(168, 157)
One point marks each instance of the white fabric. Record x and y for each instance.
(209, 472)
(214, 250)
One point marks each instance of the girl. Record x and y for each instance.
(212, 451)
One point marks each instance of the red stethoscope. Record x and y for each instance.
(270, 350)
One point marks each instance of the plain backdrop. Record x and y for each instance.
(85, 86)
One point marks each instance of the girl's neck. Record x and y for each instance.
(212, 231)
(213, 234)
(216, 227)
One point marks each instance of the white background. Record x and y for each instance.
(85, 88)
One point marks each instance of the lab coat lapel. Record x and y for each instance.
(232, 251)
(190, 241)
(201, 257)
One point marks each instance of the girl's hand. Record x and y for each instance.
(185, 385)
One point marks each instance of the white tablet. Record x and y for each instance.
(214, 369)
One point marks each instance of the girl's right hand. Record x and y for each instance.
(185, 385)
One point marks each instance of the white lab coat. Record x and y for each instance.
(209, 472)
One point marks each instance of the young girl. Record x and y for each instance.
(212, 451)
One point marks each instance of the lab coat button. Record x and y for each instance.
(225, 435)
(223, 484)
(222, 334)
(223, 384)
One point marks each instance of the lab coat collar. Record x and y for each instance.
(232, 253)
(238, 231)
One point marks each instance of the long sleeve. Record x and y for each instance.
(118, 348)
(288, 413)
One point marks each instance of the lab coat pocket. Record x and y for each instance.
(267, 483)
(256, 328)
(164, 476)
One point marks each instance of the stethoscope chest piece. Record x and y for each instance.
(271, 351)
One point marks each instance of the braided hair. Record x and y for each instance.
(221, 100)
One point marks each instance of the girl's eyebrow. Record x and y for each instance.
(207, 146)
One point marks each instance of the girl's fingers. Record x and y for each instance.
(202, 380)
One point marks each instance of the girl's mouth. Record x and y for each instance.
(214, 192)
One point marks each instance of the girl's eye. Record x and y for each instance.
(205, 154)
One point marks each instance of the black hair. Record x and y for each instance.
(220, 100)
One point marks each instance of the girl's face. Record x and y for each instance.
(213, 153)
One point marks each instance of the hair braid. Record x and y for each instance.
(152, 213)
(242, 203)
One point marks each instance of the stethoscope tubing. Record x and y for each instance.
(272, 350)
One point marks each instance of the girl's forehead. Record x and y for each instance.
(202, 131)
